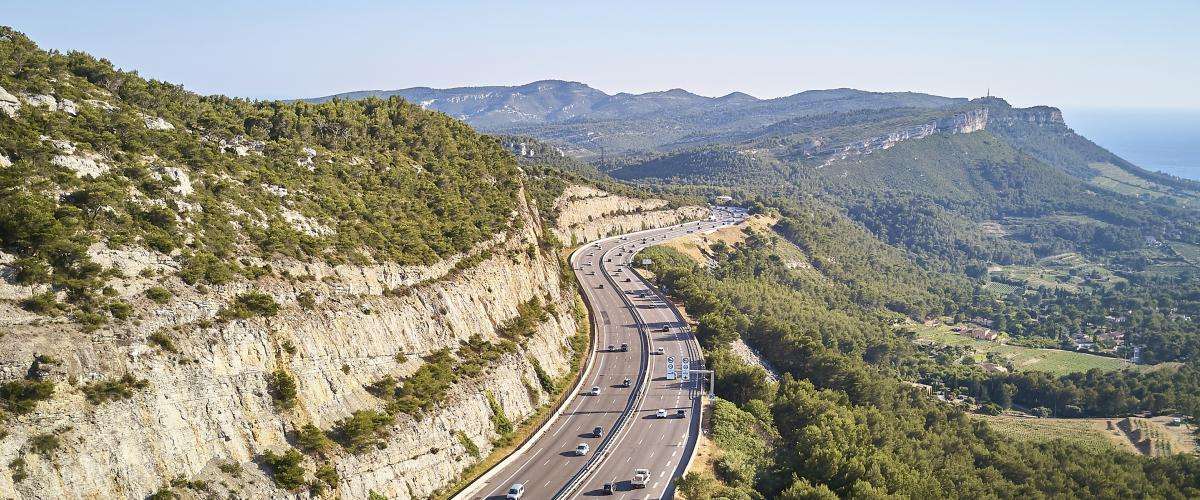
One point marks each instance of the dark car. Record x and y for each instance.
(624, 347)
(609, 487)
(680, 413)
(598, 432)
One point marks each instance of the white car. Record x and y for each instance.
(582, 449)
(515, 492)
(595, 391)
(661, 413)
(640, 478)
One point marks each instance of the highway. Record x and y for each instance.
(625, 310)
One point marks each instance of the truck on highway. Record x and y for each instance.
(640, 477)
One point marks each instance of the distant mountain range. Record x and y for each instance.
(582, 117)
(675, 135)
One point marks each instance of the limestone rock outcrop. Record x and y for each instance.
(9, 104)
(207, 406)
(587, 213)
(964, 122)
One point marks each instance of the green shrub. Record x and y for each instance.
(544, 378)
(162, 340)
(120, 310)
(312, 439)
(22, 396)
(163, 493)
(113, 390)
(159, 240)
(44, 444)
(470, 446)
(17, 466)
(327, 474)
(42, 303)
(90, 320)
(204, 267)
(233, 469)
(500, 421)
(530, 314)
(158, 294)
(249, 305)
(362, 430)
(427, 386)
(30, 271)
(46, 359)
(283, 389)
(184, 482)
(286, 469)
(306, 300)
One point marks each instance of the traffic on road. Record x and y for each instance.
(629, 430)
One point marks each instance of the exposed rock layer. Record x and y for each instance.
(208, 402)
(587, 213)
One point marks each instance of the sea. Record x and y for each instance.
(1154, 139)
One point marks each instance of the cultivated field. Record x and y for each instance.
(1187, 252)
(1068, 271)
(1097, 434)
(1115, 178)
(1056, 361)
(1090, 433)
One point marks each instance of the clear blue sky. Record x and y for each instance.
(1068, 54)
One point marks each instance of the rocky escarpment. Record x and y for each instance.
(991, 113)
(587, 213)
(959, 123)
(206, 411)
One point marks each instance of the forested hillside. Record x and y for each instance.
(208, 179)
(841, 423)
(204, 296)
(921, 228)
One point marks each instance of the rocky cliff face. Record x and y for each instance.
(959, 123)
(207, 410)
(992, 112)
(207, 403)
(587, 213)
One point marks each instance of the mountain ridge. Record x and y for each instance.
(500, 108)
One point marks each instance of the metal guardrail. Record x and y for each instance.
(691, 347)
(636, 398)
(469, 491)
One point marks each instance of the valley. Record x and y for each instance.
(492, 292)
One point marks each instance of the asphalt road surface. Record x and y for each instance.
(662, 445)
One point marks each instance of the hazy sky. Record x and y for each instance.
(1067, 54)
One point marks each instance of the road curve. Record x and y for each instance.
(547, 465)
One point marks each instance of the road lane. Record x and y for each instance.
(548, 463)
(661, 445)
